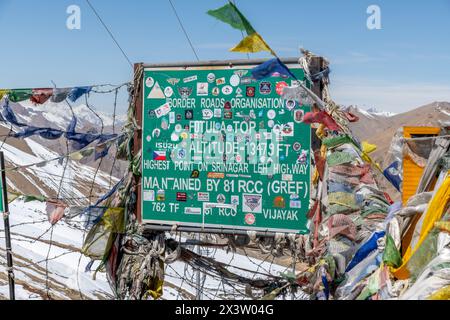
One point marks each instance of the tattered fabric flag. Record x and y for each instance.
(55, 211)
(337, 158)
(60, 94)
(3, 92)
(77, 92)
(8, 115)
(268, 68)
(323, 118)
(391, 256)
(46, 133)
(320, 75)
(341, 224)
(18, 95)
(95, 208)
(41, 96)
(82, 140)
(232, 16)
(336, 141)
(393, 175)
(342, 198)
(365, 250)
(351, 117)
(90, 155)
(297, 93)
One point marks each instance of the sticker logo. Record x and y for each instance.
(202, 89)
(207, 114)
(251, 91)
(217, 113)
(246, 80)
(211, 77)
(156, 92)
(252, 203)
(159, 155)
(235, 80)
(238, 93)
(193, 211)
(250, 219)
(280, 87)
(181, 196)
(295, 202)
(290, 105)
(185, 92)
(279, 202)
(227, 90)
(265, 88)
(299, 116)
(161, 196)
(288, 130)
(241, 73)
(168, 92)
(181, 154)
(163, 110)
(173, 81)
(216, 91)
(203, 196)
(216, 175)
(297, 146)
(235, 200)
(221, 198)
(195, 174)
(149, 195)
(190, 79)
(220, 81)
(150, 82)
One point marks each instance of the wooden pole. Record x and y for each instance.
(138, 99)
(9, 257)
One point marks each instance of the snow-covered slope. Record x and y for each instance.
(67, 275)
(58, 115)
(45, 179)
(67, 279)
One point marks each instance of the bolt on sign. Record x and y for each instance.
(222, 150)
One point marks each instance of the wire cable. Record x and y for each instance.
(184, 30)
(110, 33)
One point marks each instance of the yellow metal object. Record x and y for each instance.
(412, 173)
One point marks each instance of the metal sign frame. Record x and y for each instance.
(5, 210)
(185, 227)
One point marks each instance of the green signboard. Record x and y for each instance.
(224, 151)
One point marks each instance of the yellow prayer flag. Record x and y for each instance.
(251, 44)
(3, 92)
(368, 148)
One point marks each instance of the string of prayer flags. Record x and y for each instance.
(42, 95)
(232, 16)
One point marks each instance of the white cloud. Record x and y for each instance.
(392, 97)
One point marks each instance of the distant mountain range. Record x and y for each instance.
(379, 127)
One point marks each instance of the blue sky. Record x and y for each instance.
(402, 66)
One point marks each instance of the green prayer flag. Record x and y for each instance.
(232, 16)
(391, 256)
(18, 95)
